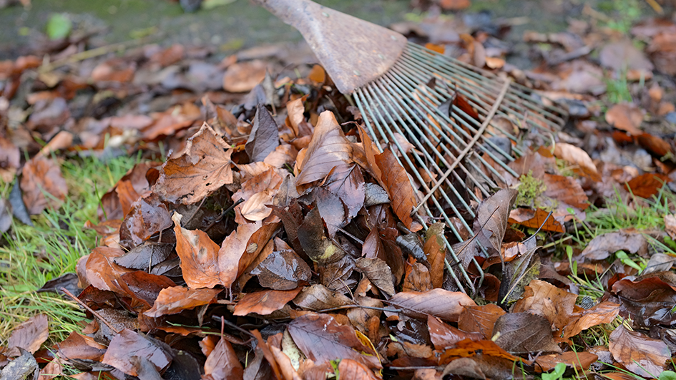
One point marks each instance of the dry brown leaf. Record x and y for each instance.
(435, 251)
(222, 363)
(41, 175)
(102, 272)
(579, 360)
(640, 354)
(29, 335)
(480, 319)
(627, 117)
(264, 302)
(417, 278)
(437, 302)
(244, 76)
(605, 312)
(199, 256)
(398, 187)
(547, 300)
(176, 299)
(579, 158)
(202, 169)
(240, 249)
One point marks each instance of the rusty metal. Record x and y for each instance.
(457, 156)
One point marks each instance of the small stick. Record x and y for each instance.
(358, 306)
(220, 217)
(89, 309)
(90, 54)
(469, 146)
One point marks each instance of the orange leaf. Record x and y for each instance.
(199, 256)
(535, 219)
(646, 185)
(265, 302)
(176, 299)
(398, 186)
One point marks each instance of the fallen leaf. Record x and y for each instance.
(565, 189)
(128, 344)
(646, 185)
(143, 287)
(202, 169)
(264, 302)
(145, 255)
(322, 339)
(648, 301)
(29, 335)
(9, 159)
(240, 249)
(454, 5)
(654, 144)
(78, 346)
(199, 256)
(352, 369)
(147, 217)
(640, 354)
(444, 336)
(264, 137)
(625, 116)
(535, 219)
(522, 333)
(102, 272)
(437, 302)
(604, 312)
(222, 363)
(282, 270)
(417, 278)
(435, 251)
(623, 55)
(480, 319)
(547, 300)
(176, 299)
(581, 361)
(329, 152)
(319, 297)
(43, 185)
(398, 186)
(487, 356)
(378, 272)
(578, 157)
(603, 246)
(244, 76)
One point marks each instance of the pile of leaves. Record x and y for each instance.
(277, 241)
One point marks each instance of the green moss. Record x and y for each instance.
(529, 190)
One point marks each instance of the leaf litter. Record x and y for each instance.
(277, 241)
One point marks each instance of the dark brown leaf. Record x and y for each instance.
(147, 217)
(313, 240)
(437, 302)
(378, 272)
(638, 353)
(176, 299)
(29, 335)
(264, 302)
(565, 189)
(144, 287)
(648, 184)
(396, 182)
(282, 270)
(145, 255)
(443, 335)
(578, 360)
(480, 319)
(264, 137)
(647, 301)
(222, 363)
(39, 176)
(128, 344)
(522, 333)
(202, 169)
(78, 346)
(319, 297)
(199, 256)
(322, 339)
(350, 188)
(605, 245)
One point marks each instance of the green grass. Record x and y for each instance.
(33, 255)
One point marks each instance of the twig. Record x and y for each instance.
(469, 146)
(351, 236)
(358, 306)
(90, 54)
(89, 309)
(220, 217)
(655, 6)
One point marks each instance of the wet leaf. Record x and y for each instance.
(579, 360)
(647, 300)
(329, 152)
(480, 319)
(638, 353)
(144, 287)
(437, 302)
(147, 217)
(29, 335)
(577, 157)
(521, 333)
(604, 312)
(202, 169)
(43, 185)
(443, 335)
(545, 299)
(398, 186)
(176, 299)
(264, 137)
(222, 363)
(240, 249)
(313, 240)
(264, 302)
(648, 184)
(128, 344)
(78, 346)
(319, 297)
(435, 251)
(282, 270)
(322, 339)
(626, 117)
(145, 255)
(199, 256)
(102, 272)
(378, 272)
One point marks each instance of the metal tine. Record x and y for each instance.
(384, 82)
(433, 110)
(483, 86)
(457, 68)
(417, 157)
(363, 104)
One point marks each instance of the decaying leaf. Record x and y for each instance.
(545, 299)
(435, 251)
(638, 353)
(480, 319)
(264, 137)
(43, 185)
(29, 335)
(521, 333)
(437, 302)
(222, 363)
(202, 169)
(603, 246)
(398, 187)
(128, 344)
(378, 272)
